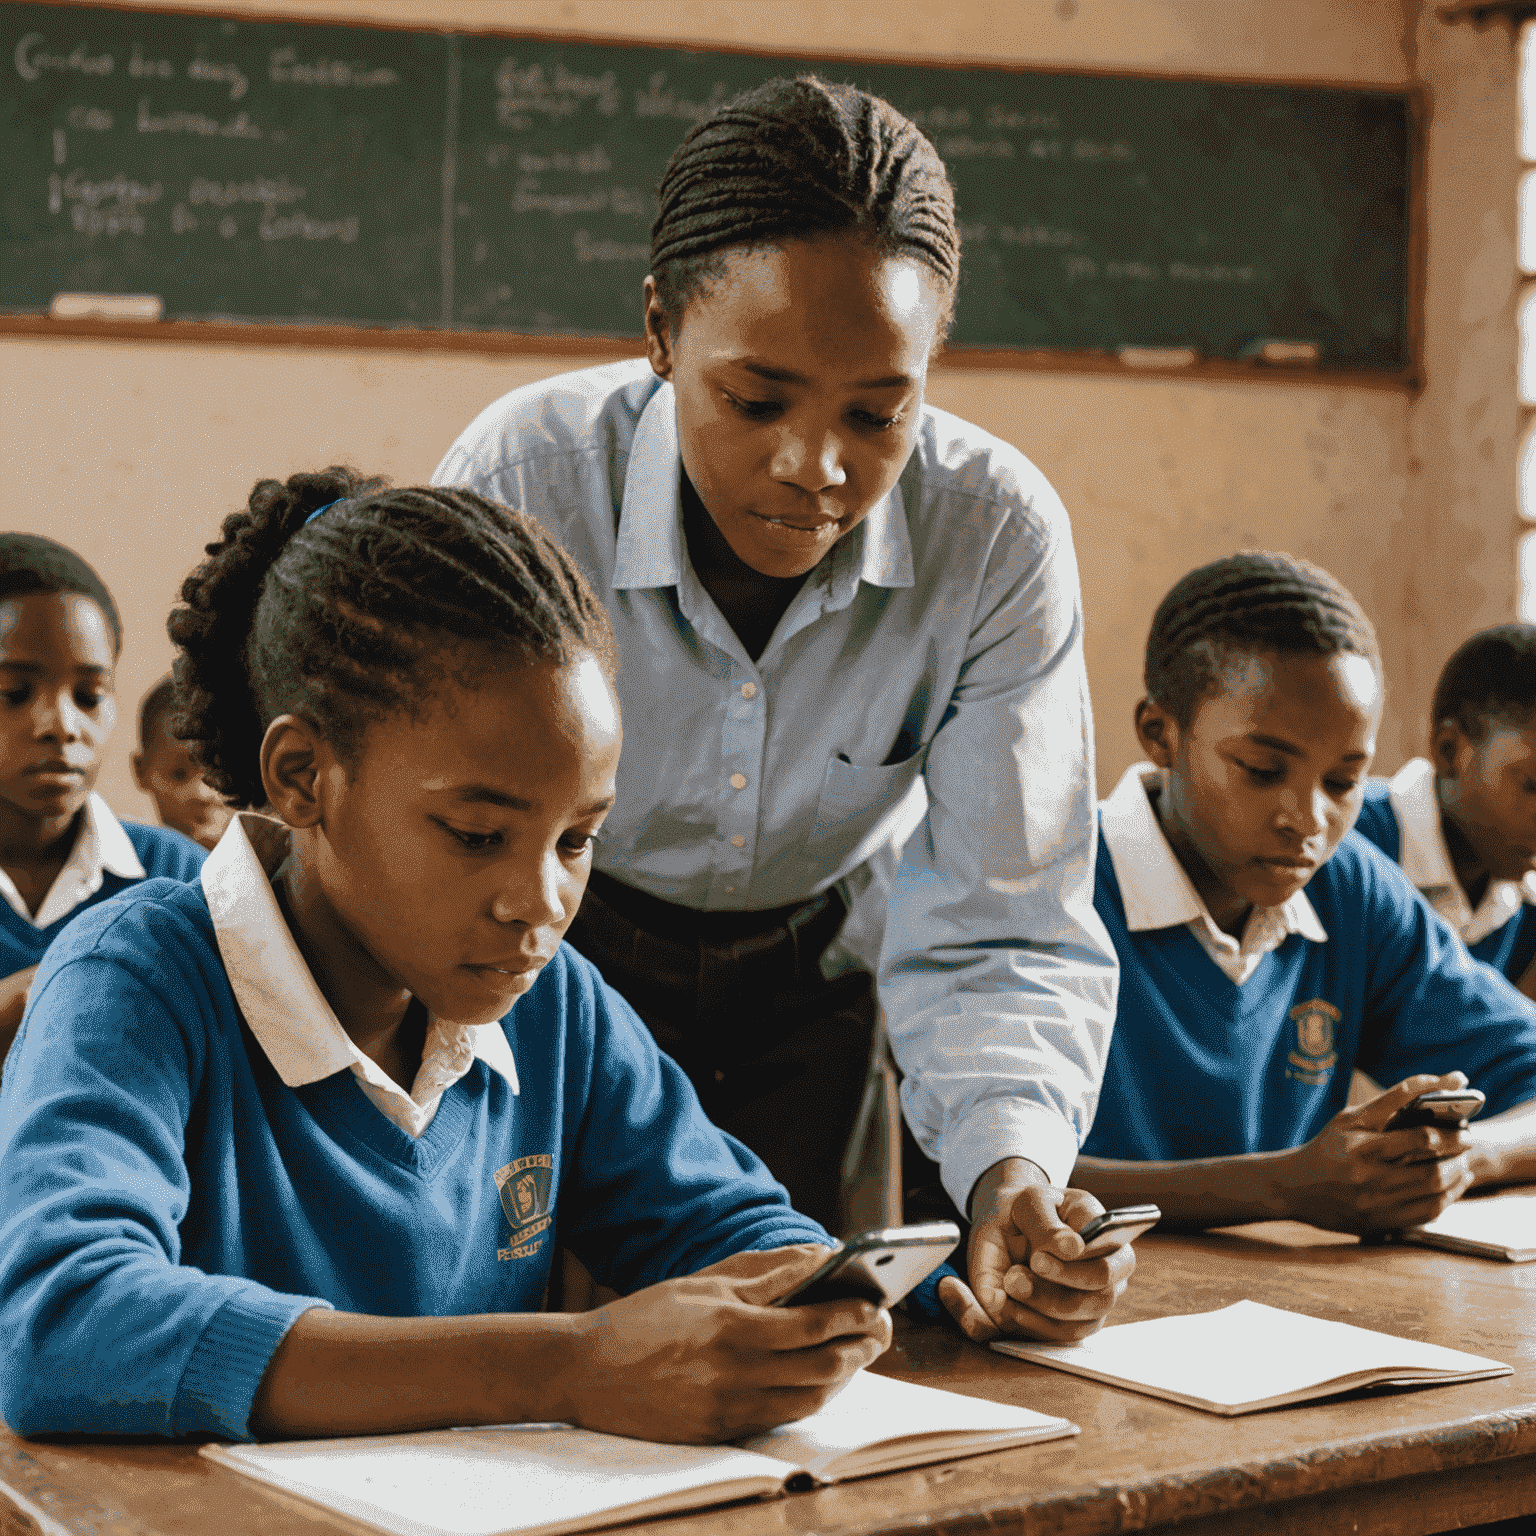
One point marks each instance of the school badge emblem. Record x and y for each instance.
(524, 1187)
(1314, 1057)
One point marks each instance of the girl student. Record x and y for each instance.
(61, 848)
(844, 616)
(1462, 822)
(286, 1151)
(1266, 951)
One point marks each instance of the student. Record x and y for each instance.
(285, 1151)
(61, 848)
(843, 615)
(1462, 822)
(1265, 952)
(164, 770)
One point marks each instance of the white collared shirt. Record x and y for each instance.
(1158, 894)
(282, 1002)
(1426, 861)
(101, 847)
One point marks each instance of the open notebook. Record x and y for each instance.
(552, 1478)
(1249, 1356)
(1498, 1227)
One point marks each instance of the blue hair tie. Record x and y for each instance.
(326, 508)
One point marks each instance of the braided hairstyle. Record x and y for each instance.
(30, 563)
(794, 159)
(1491, 677)
(344, 620)
(1253, 601)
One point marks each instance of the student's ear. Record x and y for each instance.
(1450, 749)
(140, 770)
(293, 756)
(1158, 733)
(658, 334)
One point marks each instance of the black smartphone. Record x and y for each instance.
(1448, 1108)
(1124, 1224)
(880, 1265)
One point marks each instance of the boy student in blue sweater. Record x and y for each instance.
(1265, 952)
(286, 1151)
(61, 848)
(1462, 822)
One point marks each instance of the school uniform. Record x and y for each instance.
(108, 856)
(193, 1153)
(924, 690)
(1225, 1046)
(1401, 815)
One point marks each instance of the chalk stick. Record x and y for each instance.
(107, 306)
(1286, 353)
(1158, 357)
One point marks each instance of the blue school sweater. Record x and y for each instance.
(168, 1207)
(160, 851)
(1509, 949)
(1200, 1067)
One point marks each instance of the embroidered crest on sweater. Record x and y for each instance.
(524, 1187)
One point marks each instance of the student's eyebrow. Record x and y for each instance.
(788, 376)
(1276, 744)
(89, 668)
(483, 794)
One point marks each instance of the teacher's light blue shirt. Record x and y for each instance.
(926, 683)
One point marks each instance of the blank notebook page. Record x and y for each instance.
(1250, 1353)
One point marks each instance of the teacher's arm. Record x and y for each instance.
(997, 978)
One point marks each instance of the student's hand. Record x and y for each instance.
(1355, 1177)
(1026, 1276)
(706, 1358)
(13, 1002)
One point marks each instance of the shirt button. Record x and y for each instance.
(738, 841)
(749, 690)
(738, 781)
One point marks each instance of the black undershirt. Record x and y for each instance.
(752, 603)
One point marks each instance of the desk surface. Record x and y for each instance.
(1398, 1463)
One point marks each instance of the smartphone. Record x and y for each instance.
(880, 1265)
(1124, 1224)
(1448, 1108)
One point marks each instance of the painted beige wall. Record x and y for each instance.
(131, 452)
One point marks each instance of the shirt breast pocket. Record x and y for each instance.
(862, 806)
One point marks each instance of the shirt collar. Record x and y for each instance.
(1426, 860)
(101, 848)
(1153, 886)
(649, 549)
(277, 993)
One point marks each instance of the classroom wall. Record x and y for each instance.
(131, 452)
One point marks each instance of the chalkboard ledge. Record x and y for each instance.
(609, 348)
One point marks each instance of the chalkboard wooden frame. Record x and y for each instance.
(1020, 358)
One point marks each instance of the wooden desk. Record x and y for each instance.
(1387, 1464)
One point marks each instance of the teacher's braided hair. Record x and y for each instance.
(1253, 601)
(794, 159)
(347, 618)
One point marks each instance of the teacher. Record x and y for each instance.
(843, 616)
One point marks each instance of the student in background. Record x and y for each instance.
(1462, 822)
(284, 1151)
(843, 615)
(164, 770)
(61, 848)
(1265, 952)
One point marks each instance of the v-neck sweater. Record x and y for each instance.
(168, 1206)
(1201, 1067)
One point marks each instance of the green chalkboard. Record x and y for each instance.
(284, 171)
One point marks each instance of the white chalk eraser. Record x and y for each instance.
(1158, 357)
(107, 306)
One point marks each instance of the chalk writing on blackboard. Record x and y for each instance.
(293, 171)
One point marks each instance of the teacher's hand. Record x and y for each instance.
(1026, 1273)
